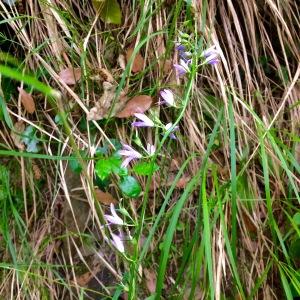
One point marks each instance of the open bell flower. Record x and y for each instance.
(130, 154)
(144, 121)
(183, 67)
(167, 97)
(114, 218)
(117, 242)
(211, 55)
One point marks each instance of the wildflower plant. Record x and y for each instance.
(141, 159)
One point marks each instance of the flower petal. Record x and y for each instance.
(167, 96)
(117, 242)
(118, 220)
(148, 122)
(126, 161)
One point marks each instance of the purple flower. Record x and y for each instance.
(167, 97)
(145, 121)
(117, 242)
(183, 67)
(113, 218)
(180, 47)
(168, 127)
(130, 154)
(211, 55)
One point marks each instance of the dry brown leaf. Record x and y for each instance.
(183, 181)
(105, 198)
(103, 105)
(27, 101)
(15, 134)
(70, 75)
(138, 62)
(167, 66)
(122, 61)
(150, 280)
(36, 171)
(137, 104)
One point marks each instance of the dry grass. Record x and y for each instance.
(52, 245)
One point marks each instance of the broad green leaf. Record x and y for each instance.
(145, 168)
(296, 218)
(295, 249)
(130, 187)
(110, 11)
(105, 166)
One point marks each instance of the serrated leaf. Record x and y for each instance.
(130, 187)
(110, 11)
(145, 168)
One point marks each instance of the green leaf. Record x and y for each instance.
(130, 187)
(296, 218)
(75, 166)
(295, 249)
(110, 11)
(145, 168)
(105, 166)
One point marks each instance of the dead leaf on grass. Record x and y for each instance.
(70, 75)
(103, 105)
(150, 280)
(27, 101)
(138, 62)
(15, 134)
(105, 198)
(137, 104)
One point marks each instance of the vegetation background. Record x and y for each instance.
(218, 219)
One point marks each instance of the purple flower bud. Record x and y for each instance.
(145, 121)
(180, 47)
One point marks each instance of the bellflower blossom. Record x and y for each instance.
(183, 67)
(172, 135)
(130, 154)
(211, 55)
(114, 218)
(167, 97)
(117, 242)
(145, 121)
